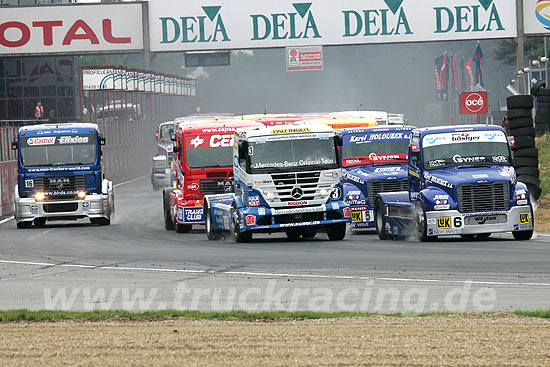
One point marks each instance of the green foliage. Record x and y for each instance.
(543, 144)
(506, 50)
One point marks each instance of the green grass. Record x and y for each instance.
(543, 144)
(35, 316)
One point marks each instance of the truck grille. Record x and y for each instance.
(376, 187)
(70, 183)
(307, 182)
(483, 197)
(209, 187)
(60, 208)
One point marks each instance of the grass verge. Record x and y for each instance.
(542, 215)
(47, 315)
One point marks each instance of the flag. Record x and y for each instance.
(478, 59)
(470, 77)
(463, 75)
(438, 64)
(456, 87)
(445, 73)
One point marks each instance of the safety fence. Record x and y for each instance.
(127, 154)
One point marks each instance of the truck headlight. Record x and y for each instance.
(324, 192)
(269, 195)
(39, 196)
(81, 194)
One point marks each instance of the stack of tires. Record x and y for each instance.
(542, 117)
(525, 154)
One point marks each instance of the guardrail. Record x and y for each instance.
(127, 154)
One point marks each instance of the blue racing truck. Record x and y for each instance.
(461, 182)
(286, 179)
(60, 175)
(374, 160)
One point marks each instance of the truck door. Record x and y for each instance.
(415, 165)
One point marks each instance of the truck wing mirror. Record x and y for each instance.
(14, 145)
(177, 148)
(102, 140)
(511, 141)
(173, 137)
(339, 139)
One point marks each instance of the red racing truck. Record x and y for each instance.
(203, 154)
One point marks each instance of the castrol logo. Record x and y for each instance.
(474, 102)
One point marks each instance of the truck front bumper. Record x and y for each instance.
(190, 212)
(452, 222)
(262, 219)
(362, 216)
(92, 206)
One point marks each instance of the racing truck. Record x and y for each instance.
(286, 179)
(202, 165)
(161, 172)
(60, 175)
(374, 160)
(461, 182)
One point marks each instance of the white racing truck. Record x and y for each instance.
(286, 179)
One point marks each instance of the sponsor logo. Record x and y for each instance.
(347, 212)
(292, 131)
(217, 141)
(297, 193)
(254, 201)
(482, 175)
(59, 183)
(377, 22)
(41, 141)
(192, 29)
(522, 202)
(73, 140)
(261, 211)
(475, 18)
(193, 214)
(442, 207)
(441, 197)
(444, 223)
(464, 137)
(388, 169)
(437, 180)
(197, 141)
(194, 186)
(335, 206)
(350, 177)
(542, 12)
(250, 220)
(524, 218)
(297, 203)
(286, 26)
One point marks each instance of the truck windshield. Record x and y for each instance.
(164, 134)
(375, 152)
(209, 157)
(292, 155)
(59, 150)
(465, 148)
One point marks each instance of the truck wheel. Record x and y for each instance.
(522, 235)
(483, 236)
(336, 232)
(293, 234)
(24, 225)
(380, 220)
(157, 188)
(239, 236)
(468, 237)
(421, 223)
(100, 221)
(309, 232)
(40, 222)
(183, 228)
(211, 233)
(168, 223)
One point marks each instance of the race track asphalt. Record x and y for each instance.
(135, 264)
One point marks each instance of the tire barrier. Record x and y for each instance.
(525, 155)
(126, 156)
(542, 117)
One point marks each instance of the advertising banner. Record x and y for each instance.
(73, 29)
(120, 79)
(131, 80)
(474, 103)
(304, 58)
(536, 17)
(177, 25)
(98, 79)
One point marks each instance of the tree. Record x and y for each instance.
(506, 50)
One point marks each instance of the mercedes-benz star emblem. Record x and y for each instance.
(297, 193)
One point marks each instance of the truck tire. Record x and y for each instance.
(309, 232)
(524, 142)
(421, 224)
(521, 101)
(40, 222)
(525, 162)
(522, 131)
(528, 171)
(241, 237)
(100, 221)
(24, 225)
(168, 222)
(525, 235)
(519, 114)
(293, 234)
(380, 220)
(527, 152)
(336, 232)
(211, 233)
(183, 228)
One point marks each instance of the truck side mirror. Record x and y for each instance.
(339, 139)
(102, 140)
(511, 142)
(14, 145)
(177, 148)
(173, 137)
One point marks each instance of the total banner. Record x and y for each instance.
(177, 25)
(71, 29)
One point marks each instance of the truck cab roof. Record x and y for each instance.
(375, 129)
(66, 128)
(216, 126)
(457, 128)
(298, 128)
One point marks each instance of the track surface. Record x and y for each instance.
(135, 264)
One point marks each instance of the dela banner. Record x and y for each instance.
(177, 25)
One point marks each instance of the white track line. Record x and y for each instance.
(281, 275)
(117, 185)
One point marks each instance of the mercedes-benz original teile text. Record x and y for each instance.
(60, 175)
(286, 179)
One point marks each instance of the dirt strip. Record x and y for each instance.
(458, 340)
